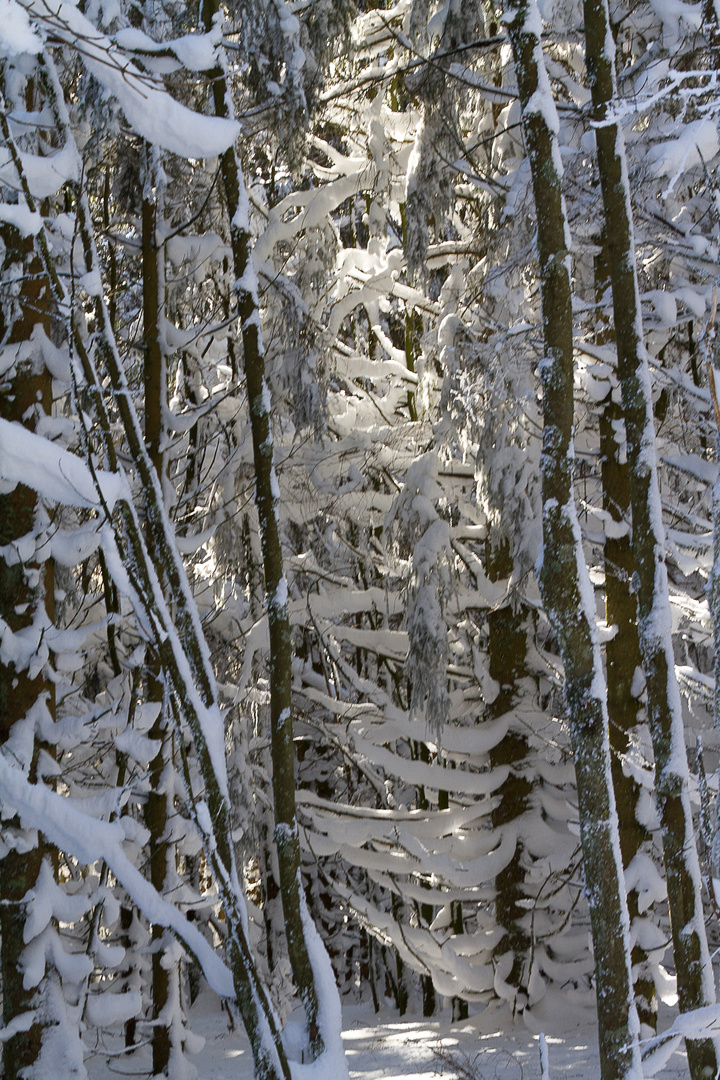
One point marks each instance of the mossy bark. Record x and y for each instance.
(692, 960)
(564, 583)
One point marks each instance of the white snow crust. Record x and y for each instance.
(148, 108)
(54, 473)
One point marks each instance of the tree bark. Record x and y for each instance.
(564, 583)
(692, 959)
(24, 585)
(155, 401)
(622, 652)
(506, 655)
(267, 497)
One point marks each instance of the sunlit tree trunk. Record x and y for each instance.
(267, 497)
(692, 960)
(564, 582)
(622, 651)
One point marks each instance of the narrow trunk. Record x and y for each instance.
(460, 1008)
(400, 990)
(24, 389)
(155, 397)
(506, 653)
(692, 960)
(425, 912)
(565, 587)
(622, 652)
(267, 497)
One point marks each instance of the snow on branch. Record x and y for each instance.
(89, 839)
(148, 108)
(55, 473)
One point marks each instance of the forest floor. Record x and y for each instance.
(490, 1046)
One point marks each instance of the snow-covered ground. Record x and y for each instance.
(490, 1046)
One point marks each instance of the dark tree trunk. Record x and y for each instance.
(622, 653)
(266, 498)
(155, 398)
(24, 392)
(692, 960)
(506, 653)
(564, 583)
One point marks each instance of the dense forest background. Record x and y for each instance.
(358, 513)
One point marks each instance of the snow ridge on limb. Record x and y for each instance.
(564, 581)
(31, 459)
(148, 108)
(692, 959)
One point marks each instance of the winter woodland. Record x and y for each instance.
(359, 524)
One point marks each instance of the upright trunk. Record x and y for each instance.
(622, 654)
(155, 399)
(692, 960)
(565, 587)
(506, 651)
(714, 603)
(267, 497)
(25, 389)
(425, 912)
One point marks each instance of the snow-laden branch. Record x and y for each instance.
(54, 473)
(148, 108)
(88, 839)
(656, 1052)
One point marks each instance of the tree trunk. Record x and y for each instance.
(24, 390)
(564, 583)
(155, 398)
(506, 653)
(692, 960)
(622, 653)
(267, 497)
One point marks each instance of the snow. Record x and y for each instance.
(106, 1009)
(675, 12)
(149, 110)
(89, 839)
(196, 52)
(17, 35)
(332, 1062)
(22, 1022)
(54, 473)
(18, 215)
(492, 1043)
(695, 143)
(45, 175)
